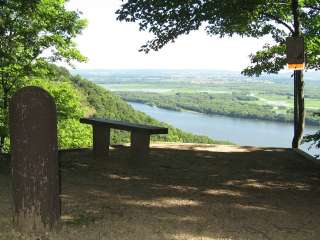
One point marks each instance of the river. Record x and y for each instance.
(245, 132)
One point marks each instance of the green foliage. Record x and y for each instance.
(167, 20)
(76, 97)
(108, 105)
(27, 30)
(33, 34)
(67, 98)
(234, 105)
(71, 133)
(313, 139)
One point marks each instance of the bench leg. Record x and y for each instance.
(140, 145)
(101, 142)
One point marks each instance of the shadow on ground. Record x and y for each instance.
(190, 192)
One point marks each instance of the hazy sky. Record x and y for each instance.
(110, 44)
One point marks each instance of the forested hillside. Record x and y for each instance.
(233, 105)
(76, 97)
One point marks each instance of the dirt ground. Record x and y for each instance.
(198, 192)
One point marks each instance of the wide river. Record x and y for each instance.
(246, 132)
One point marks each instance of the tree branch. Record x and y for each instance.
(317, 8)
(279, 21)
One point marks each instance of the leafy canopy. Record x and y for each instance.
(33, 33)
(68, 99)
(168, 19)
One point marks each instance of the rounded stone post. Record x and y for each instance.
(34, 160)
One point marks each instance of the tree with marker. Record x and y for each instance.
(280, 19)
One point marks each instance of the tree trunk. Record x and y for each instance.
(302, 112)
(4, 110)
(299, 110)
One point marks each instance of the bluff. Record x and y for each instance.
(97, 101)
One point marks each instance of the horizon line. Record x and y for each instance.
(284, 71)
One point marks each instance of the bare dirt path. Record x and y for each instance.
(200, 192)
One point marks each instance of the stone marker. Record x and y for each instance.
(34, 159)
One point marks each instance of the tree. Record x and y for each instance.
(68, 99)
(33, 34)
(167, 20)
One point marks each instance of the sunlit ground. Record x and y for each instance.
(200, 192)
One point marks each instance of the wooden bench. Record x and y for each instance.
(140, 136)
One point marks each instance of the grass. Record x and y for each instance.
(312, 103)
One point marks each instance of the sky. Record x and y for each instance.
(110, 44)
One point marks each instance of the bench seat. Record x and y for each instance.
(126, 126)
(140, 135)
